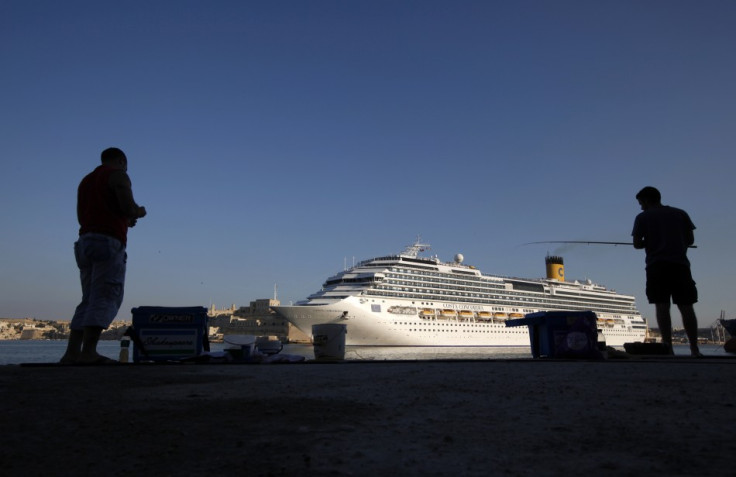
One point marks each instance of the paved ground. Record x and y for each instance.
(517, 418)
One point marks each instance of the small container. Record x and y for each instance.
(124, 349)
(240, 347)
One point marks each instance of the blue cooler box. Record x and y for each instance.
(169, 333)
(562, 334)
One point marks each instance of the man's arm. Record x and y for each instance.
(120, 182)
(639, 242)
(689, 238)
(638, 236)
(688, 233)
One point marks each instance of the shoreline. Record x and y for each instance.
(670, 416)
(49, 351)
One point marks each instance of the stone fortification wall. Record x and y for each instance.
(32, 329)
(256, 319)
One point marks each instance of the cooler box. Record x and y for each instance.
(167, 333)
(562, 334)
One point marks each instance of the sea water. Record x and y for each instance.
(50, 351)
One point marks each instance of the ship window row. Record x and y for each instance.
(438, 289)
(449, 283)
(543, 303)
(392, 258)
(504, 331)
(450, 276)
(472, 292)
(409, 268)
(392, 278)
(352, 280)
(433, 287)
(444, 291)
(455, 330)
(595, 302)
(602, 293)
(456, 324)
(445, 278)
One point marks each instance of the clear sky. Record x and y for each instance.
(275, 142)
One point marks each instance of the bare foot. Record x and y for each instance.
(68, 359)
(88, 358)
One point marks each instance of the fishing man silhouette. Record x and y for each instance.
(665, 233)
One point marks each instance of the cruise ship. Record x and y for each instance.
(409, 300)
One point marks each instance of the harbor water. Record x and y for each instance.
(49, 351)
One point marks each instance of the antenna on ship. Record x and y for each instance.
(414, 249)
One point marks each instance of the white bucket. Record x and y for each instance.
(329, 341)
(267, 346)
(241, 347)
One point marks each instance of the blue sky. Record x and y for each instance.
(274, 142)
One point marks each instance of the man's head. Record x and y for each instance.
(649, 197)
(114, 157)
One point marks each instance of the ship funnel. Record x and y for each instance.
(555, 268)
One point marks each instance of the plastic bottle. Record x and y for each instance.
(124, 347)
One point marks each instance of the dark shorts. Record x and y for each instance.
(665, 280)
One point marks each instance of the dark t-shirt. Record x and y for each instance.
(665, 231)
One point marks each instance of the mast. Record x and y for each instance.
(413, 250)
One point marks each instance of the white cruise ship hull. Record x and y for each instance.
(370, 324)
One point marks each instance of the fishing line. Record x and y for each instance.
(589, 242)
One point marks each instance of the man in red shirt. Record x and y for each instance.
(105, 210)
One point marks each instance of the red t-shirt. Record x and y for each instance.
(98, 210)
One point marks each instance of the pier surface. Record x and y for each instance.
(517, 418)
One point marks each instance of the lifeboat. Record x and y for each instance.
(426, 312)
(499, 316)
(485, 315)
(467, 314)
(447, 313)
(516, 315)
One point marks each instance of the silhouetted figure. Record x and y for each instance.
(666, 233)
(105, 210)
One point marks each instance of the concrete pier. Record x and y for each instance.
(669, 416)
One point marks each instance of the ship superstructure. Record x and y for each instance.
(409, 300)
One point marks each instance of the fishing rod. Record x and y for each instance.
(589, 242)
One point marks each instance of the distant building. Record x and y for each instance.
(257, 319)
(214, 312)
(34, 332)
